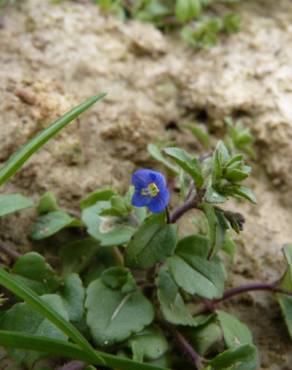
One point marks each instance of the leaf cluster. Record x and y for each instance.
(198, 28)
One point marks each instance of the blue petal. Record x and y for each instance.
(160, 202)
(141, 178)
(158, 179)
(139, 200)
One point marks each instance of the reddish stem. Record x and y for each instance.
(253, 287)
(210, 305)
(179, 211)
(186, 348)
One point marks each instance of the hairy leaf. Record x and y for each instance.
(188, 163)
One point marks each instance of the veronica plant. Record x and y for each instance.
(135, 281)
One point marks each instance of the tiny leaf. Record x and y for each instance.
(149, 344)
(48, 203)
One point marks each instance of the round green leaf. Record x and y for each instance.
(149, 344)
(108, 230)
(112, 316)
(33, 270)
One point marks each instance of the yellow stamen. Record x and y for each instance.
(151, 190)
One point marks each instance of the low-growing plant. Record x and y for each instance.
(135, 288)
(197, 19)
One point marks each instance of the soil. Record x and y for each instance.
(54, 56)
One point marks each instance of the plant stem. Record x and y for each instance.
(12, 253)
(210, 305)
(252, 287)
(190, 203)
(186, 348)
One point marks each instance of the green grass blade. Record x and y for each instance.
(23, 154)
(35, 301)
(61, 348)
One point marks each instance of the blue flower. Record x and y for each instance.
(150, 190)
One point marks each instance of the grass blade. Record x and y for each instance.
(35, 301)
(23, 154)
(61, 348)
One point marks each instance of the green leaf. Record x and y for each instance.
(236, 175)
(217, 228)
(119, 206)
(201, 134)
(48, 203)
(28, 295)
(33, 270)
(73, 295)
(76, 255)
(51, 223)
(171, 302)
(185, 10)
(24, 318)
(149, 344)
(231, 22)
(156, 153)
(10, 203)
(119, 278)
(109, 231)
(152, 243)
(96, 196)
(60, 348)
(235, 332)
(243, 192)
(238, 358)
(193, 272)
(212, 196)
(112, 316)
(16, 161)
(188, 163)
(229, 247)
(285, 302)
(286, 282)
(205, 337)
(222, 153)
